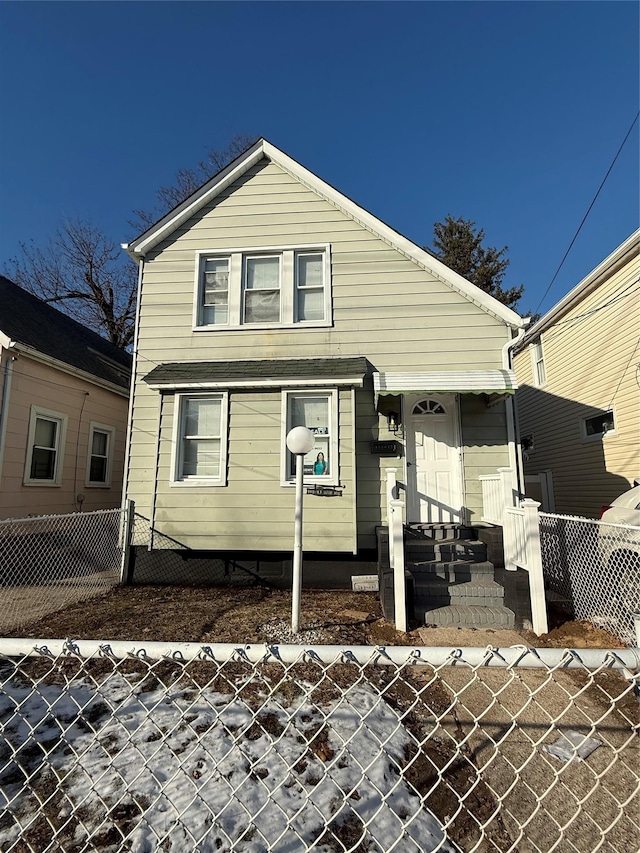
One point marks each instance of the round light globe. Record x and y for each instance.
(300, 440)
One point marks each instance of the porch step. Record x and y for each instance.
(468, 616)
(453, 571)
(438, 531)
(441, 593)
(445, 550)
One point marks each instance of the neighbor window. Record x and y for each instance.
(318, 412)
(537, 358)
(598, 425)
(263, 287)
(200, 439)
(101, 441)
(45, 448)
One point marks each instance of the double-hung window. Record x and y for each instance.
(537, 358)
(316, 410)
(45, 448)
(200, 445)
(100, 457)
(265, 287)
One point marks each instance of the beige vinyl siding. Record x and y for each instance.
(590, 356)
(384, 306)
(254, 511)
(484, 447)
(44, 386)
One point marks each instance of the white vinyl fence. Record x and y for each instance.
(115, 746)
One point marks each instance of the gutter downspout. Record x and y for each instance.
(134, 370)
(4, 413)
(515, 453)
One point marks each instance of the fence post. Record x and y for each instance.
(128, 559)
(534, 563)
(396, 542)
(390, 496)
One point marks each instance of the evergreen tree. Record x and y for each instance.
(458, 244)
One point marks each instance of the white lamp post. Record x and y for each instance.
(300, 441)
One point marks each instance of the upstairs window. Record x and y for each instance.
(263, 288)
(537, 360)
(45, 448)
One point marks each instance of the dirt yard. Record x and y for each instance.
(262, 615)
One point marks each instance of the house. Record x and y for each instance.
(64, 393)
(578, 403)
(269, 300)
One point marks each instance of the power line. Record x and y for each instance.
(584, 219)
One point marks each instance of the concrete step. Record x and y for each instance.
(445, 550)
(439, 593)
(468, 616)
(455, 571)
(439, 531)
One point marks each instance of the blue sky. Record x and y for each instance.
(505, 113)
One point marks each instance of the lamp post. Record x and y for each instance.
(300, 441)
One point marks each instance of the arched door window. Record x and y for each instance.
(429, 407)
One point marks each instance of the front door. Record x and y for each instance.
(434, 491)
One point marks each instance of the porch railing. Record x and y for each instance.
(395, 511)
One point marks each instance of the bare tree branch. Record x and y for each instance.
(86, 275)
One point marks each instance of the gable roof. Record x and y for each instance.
(625, 252)
(165, 226)
(35, 327)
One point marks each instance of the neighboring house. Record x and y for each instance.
(578, 369)
(270, 300)
(64, 393)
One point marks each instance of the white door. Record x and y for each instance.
(434, 491)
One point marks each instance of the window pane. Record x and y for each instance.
(310, 271)
(310, 305)
(99, 443)
(263, 274)
(312, 412)
(261, 307)
(98, 469)
(201, 458)
(43, 464)
(45, 435)
(202, 417)
(216, 275)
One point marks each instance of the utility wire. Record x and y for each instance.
(588, 212)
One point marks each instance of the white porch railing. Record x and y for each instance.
(395, 510)
(521, 539)
(497, 493)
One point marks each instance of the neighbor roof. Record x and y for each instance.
(33, 325)
(251, 372)
(165, 226)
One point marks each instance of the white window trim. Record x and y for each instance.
(62, 420)
(176, 442)
(111, 432)
(598, 436)
(288, 287)
(333, 479)
(537, 359)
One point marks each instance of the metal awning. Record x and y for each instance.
(490, 382)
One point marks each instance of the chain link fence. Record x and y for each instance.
(159, 559)
(112, 747)
(592, 568)
(50, 562)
